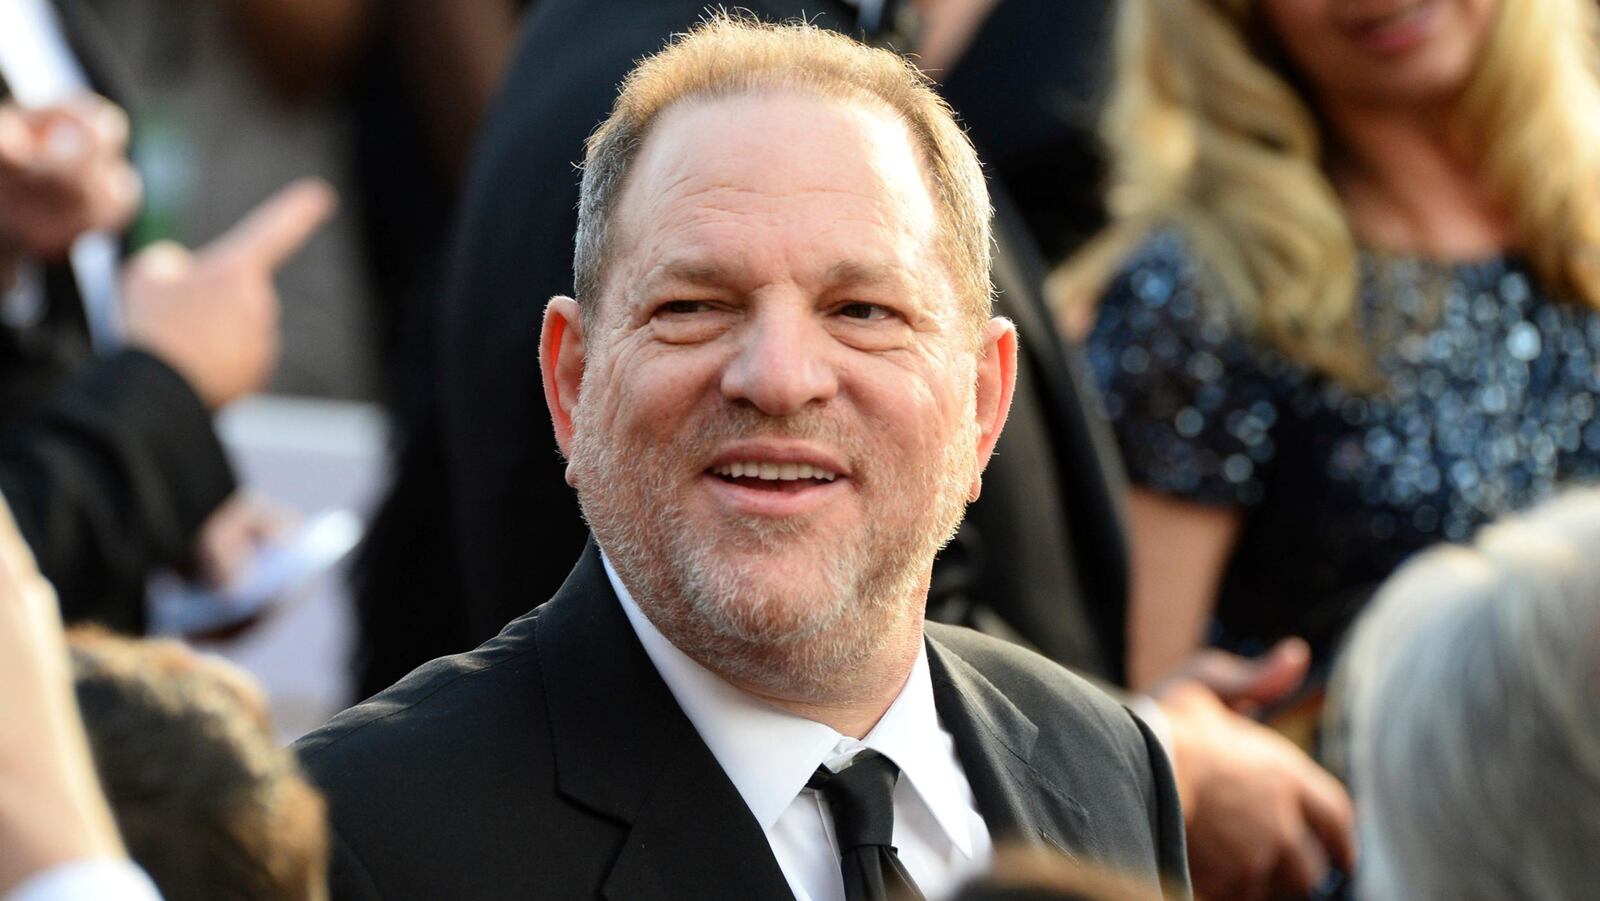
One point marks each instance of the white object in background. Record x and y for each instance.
(40, 70)
(274, 576)
(310, 456)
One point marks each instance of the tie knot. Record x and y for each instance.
(861, 798)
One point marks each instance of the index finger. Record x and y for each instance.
(273, 231)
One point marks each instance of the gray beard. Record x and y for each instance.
(711, 601)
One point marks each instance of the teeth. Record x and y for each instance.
(774, 472)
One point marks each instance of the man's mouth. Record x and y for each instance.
(781, 477)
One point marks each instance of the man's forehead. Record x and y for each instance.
(778, 141)
(701, 267)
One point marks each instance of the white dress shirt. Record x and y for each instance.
(769, 755)
(40, 69)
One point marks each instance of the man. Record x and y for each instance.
(1040, 555)
(776, 392)
(476, 457)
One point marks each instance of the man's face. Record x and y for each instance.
(777, 426)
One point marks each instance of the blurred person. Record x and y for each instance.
(1353, 309)
(381, 99)
(110, 371)
(1469, 714)
(772, 426)
(209, 805)
(58, 840)
(1039, 558)
(418, 98)
(229, 101)
(1029, 80)
(205, 800)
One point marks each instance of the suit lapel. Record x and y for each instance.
(994, 741)
(625, 750)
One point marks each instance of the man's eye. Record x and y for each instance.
(683, 307)
(863, 311)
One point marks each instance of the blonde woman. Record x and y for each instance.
(1352, 306)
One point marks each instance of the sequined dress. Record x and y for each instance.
(1488, 405)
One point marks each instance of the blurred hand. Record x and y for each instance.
(1247, 684)
(63, 171)
(1263, 819)
(232, 534)
(51, 807)
(213, 314)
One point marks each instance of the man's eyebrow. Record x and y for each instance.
(853, 272)
(709, 273)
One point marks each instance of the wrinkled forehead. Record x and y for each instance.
(842, 176)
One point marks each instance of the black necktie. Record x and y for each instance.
(861, 798)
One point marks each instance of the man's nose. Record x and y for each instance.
(782, 363)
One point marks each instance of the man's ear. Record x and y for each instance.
(997, 380)
(561, 356)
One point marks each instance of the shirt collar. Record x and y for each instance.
(770, 754)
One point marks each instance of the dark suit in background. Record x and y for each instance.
(1041, 559)
(553, 762)
(109, 464)
(1030, 89)
(481, 524)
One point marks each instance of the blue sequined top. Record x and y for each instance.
(1488, 403)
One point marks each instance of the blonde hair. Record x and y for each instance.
(1208, 135)
(730, 55)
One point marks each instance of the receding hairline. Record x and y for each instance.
(866, 102)
(732, 55)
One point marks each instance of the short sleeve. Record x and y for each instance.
(1193, 402)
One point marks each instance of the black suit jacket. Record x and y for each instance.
(479, 478)
(1041, 557)
(109, 464)
(553, 762)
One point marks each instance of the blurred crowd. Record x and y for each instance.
(1308, 306)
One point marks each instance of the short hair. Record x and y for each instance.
(206, 801)
(727, 56)
(1474, 724)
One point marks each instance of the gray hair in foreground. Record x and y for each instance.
(1472, 690)
(731, 55)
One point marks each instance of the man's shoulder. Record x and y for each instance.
(1077, 740)
(1044, 690)
(1020, 670)
(425, 704)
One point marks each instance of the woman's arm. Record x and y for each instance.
(1177, 551)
